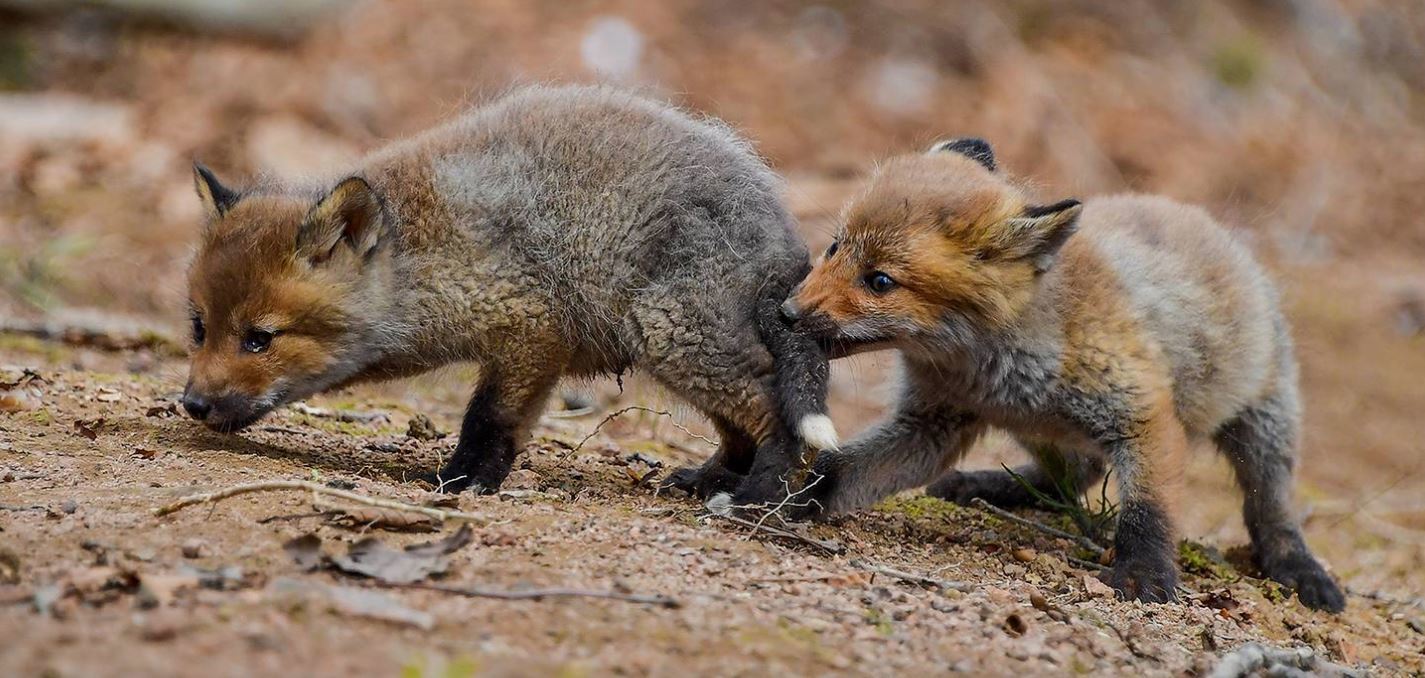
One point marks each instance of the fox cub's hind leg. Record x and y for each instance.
(1052, 473)
(496, 422)
(724, 470)
(1261, 444)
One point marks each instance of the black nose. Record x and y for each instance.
(791, 310)
(197, 406)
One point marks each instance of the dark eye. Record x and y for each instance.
(879, 282)
(198, 331)
(831, 251)
(257, 341)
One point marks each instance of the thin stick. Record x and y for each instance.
(911, 577)
(832, 547)
(1035, 525)
(537, 594)
(203, 498)
(1086, 564)
(631, 408)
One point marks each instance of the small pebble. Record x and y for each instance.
(193, 548)
(69, 506)
(1025, 555)
(1039, 602)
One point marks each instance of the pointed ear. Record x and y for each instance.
(352, 213)
(1041, 231)
(975, 149)
(217, 199)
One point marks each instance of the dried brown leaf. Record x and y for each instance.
(305, 550)
(371, 557)
(88, 428)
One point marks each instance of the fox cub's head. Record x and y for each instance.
(286, 293)
(938, 249)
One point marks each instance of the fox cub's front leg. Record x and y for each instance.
(1146, 453)
(496, 421)
(918, 443)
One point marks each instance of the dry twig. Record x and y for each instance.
(537, 594)
(206, 497)
(1083, 542)
(631, 408)
(923, 580)
(830, 546)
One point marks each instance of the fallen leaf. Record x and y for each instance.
(20, 389)
(142, 453)
(305, 550)
(163, 411)
(104, 394)
(371, 557)
(88, 428)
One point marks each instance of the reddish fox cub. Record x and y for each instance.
(558, 231)
(1117, 331)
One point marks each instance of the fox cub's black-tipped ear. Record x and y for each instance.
(1038, 234)
(217, 199)
(975, 149)
(351, 213)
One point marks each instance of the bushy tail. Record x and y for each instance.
(802, 373)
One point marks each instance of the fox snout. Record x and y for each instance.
(225, 413)
(810, 320)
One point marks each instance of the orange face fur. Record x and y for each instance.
(937, 245)
(280, 293)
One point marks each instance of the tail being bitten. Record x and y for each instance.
(802, 374)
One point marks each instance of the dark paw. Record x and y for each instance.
(1151, 580)
(996, 487)
(445, 483)
(793, 501)
(702, 481)
(1316, 589)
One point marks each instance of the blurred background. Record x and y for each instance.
(1299, 123)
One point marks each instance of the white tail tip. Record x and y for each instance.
(818, 431)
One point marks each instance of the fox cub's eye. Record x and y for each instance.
(198, 331)
(831, 251)
(879, 282)
(257, 341)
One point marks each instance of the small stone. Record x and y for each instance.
(1025, 555)
(193, 548)
(1096, 588)
(1039, 602)
(69, 506)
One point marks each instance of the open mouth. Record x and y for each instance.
(841, 347)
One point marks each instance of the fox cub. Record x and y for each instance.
(1117, 331)
(557, 231)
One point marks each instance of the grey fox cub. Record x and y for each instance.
(1118, 331)
(557, 231)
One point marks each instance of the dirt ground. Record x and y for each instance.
(1299, 124)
